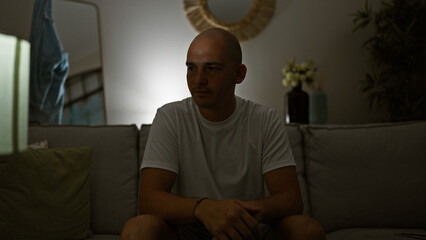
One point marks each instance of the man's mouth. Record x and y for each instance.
(201, 91)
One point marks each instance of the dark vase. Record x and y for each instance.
(297, 103)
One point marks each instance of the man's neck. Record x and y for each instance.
(218, 114)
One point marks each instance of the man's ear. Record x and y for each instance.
(240, 73)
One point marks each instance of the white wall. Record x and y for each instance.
(144, 47)
(145, 43)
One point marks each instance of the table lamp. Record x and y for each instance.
(14, 90)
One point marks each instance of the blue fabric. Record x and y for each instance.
(49, 67)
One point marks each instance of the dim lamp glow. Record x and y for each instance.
(14, 89)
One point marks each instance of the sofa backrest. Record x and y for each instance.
(350, 176)
(143, 139)
(113, 173)
(367, 175)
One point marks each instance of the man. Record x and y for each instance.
(209, 158)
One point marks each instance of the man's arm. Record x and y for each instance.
(156, 199)
(227, 218)
(285, 199)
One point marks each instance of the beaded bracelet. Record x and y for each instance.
(196, 205)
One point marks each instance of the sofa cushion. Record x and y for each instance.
(367, 175)
(373, 234)
(45, 194)
(113, 173)
(295, 136)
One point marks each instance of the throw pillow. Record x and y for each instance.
(44, 194)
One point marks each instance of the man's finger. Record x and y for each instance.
(252, 224)
(250, 220)
(234, 233)
(250, 208)
(244, 229)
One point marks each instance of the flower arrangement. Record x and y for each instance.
(299, 73)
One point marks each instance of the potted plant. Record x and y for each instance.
(398, 50)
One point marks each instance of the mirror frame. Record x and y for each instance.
(201, 18)
(101, 68)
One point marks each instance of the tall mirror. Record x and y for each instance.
(77, 25)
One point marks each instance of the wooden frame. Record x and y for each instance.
(253, 23)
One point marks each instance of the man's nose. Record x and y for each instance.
(200, 77)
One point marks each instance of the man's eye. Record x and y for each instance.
(190, 68)
(212, 68)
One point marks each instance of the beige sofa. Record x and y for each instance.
(361, 182)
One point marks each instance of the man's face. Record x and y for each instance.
(211, 73)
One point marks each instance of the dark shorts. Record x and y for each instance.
(196, 232)
(199, 232)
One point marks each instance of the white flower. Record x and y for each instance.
(286, 82)
(295, 74)
(294, 83)
(296, 77)
(304, 66)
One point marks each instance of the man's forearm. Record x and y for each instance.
(277, 207)
(170, 207)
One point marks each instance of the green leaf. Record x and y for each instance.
(361, 18)
(398, 49)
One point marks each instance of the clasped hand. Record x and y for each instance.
(229, 219)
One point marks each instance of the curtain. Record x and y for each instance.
(49, 67)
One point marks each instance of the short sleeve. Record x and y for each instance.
(276, 151)
(162, 146)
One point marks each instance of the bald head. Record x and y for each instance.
(213, 69)
(222, 39)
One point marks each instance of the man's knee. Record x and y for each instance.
(298, 227)
(146, 227)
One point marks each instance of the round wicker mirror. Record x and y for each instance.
(202, 18)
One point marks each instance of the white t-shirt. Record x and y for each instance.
(218, 160)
